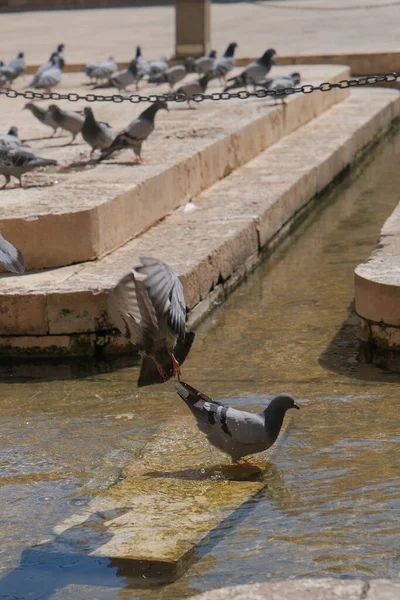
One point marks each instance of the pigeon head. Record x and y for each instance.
(21, 55)
(230, 51)
(152, 110)
(296, 78)
(53, 108)
(60, 47)
(28, 106)
(13, 131)
(132, 67)
(280, 404)
(213, 54)
(190, 64)
(87, 111)
(268, 57)
(138, 52)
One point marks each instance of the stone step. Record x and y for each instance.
(83, 211)
(64, 310)
(377, 289)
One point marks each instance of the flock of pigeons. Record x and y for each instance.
(148, 304)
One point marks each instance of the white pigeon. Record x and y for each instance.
(11, 257)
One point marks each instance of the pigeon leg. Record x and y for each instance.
(176, 368)
(140, 160)
(20, 182)
(161, 370)
(246, 462)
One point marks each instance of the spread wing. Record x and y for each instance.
(166, 293)
(130, 308)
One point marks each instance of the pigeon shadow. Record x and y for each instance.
(347, 355)
(66, 559)
(218, 472)
(121, 164)
(28, 187)
(82, 164)
(47, 137)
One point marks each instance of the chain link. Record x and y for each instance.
(241, 95)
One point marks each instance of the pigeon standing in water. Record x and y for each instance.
(43, 115)
(11, 257)
(254, 71)
(136, 133)
(67, 119)
(14, 162)
(223, 65)
(148, 306)
(194, 87)
(236, 432)
(97, 134)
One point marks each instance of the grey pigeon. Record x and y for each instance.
(43, 115)
(148, 306)
(11, 257)
(201, 65)
(172, 75)
(67, 119)
(121, 79)
(49, 77)
(279, 84)
(254, 71)
(226, 63)
(61, 55)
(143, 65)
(102, 70)
(136, 133)
(44, 67)
(97, 134)
(14, 162)
(236, 432)
(194, 87)
(158, 66)
(14, 69)
(10, 139)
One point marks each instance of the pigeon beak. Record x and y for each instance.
(296, 406)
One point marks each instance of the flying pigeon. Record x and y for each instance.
(67, 119)
(254, 71)
(97, 134)
(102, 70)
(222, 66)
(121, 79)
(136, 133)
(43, 115)
(236, 432)
(194, 87)
(148, 306)
(14, 162)
(47, 76)
(11, 257)
(10, 139)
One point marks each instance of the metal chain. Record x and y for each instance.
(242, 95)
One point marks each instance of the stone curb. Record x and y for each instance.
(212, 248)
(308, 589)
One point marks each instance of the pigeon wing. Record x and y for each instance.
(11, 257)
(166, 293)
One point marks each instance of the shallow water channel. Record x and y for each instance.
(332, 502)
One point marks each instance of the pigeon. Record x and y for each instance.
(97, 134)
(10, 139)
(103, 70)
(61, 55)
(14, 69)
(14, 162)
(136, 133)
(158, 66)
(143, 65)
(254, 71)
(67, 119)
(11, 257)
(279, 84)
(172, 75)
(223, 65)
(48, 76)
(121, 79)
(236, 432)
(201, 65)
(194, 87)
(43, 115)
(148, 306)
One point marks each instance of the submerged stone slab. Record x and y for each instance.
(177, 491)
(83, 210)
(377, 289)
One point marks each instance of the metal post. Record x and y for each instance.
(192, 33)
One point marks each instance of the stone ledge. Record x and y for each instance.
(211, 248)
(309, 589)
(93, 210)
(377, 289)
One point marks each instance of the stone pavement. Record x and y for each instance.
(293, 27)
(309, 589)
